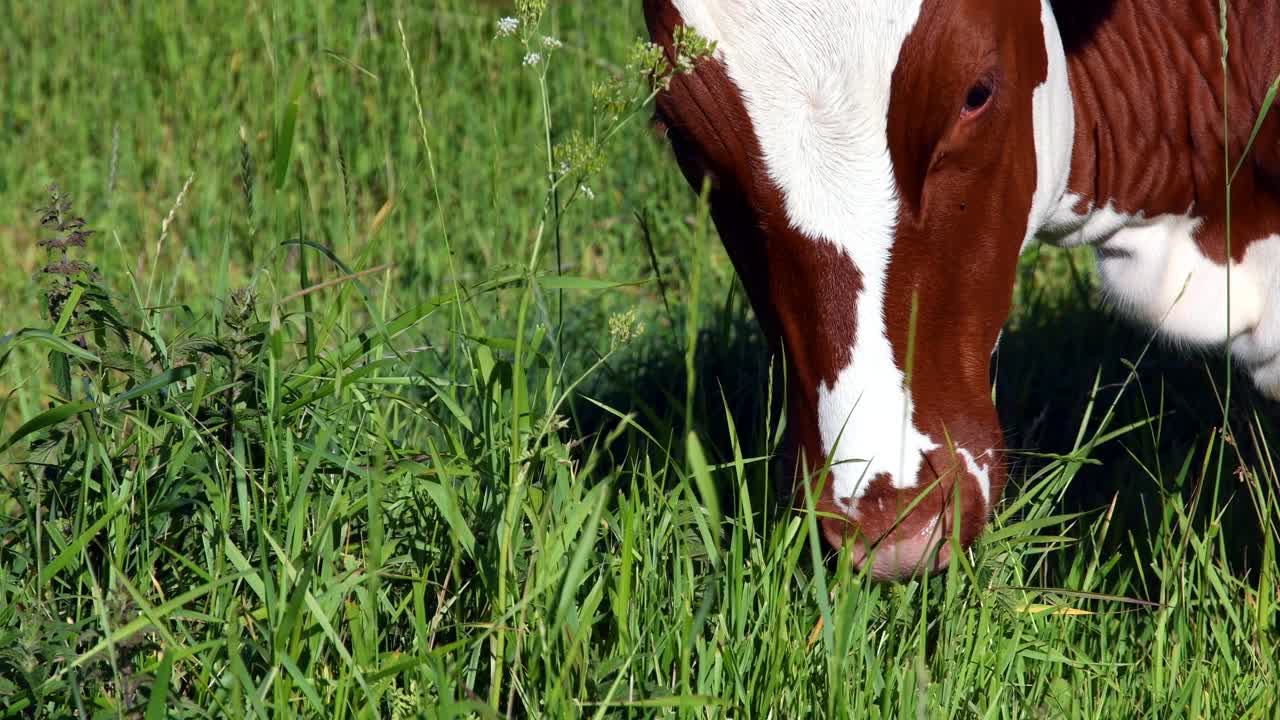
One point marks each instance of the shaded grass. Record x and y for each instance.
(384, 495)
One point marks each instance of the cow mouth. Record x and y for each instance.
(896, 534)
(919, 554)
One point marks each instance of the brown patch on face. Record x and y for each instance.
(965, 181)
(804, 291)
(966, 188)
(1148, 86)
(714, 142)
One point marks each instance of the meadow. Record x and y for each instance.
(403, 376)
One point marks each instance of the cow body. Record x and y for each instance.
(877, 166)
(1148, 181)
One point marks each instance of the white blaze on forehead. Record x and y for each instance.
(815, 77)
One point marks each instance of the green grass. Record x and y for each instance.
(454, 479)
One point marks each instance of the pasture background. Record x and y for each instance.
(347, 510)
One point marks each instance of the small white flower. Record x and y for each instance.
(532, 59)
(507, 26)
(565, 167)
(587, 192)
(551, 43)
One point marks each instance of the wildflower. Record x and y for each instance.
(623, 328)
(530, 11)
(93, 316)
(690, 48)
(610, 97)
(580, 155)
(532, 59)
(551, 43)
(587, 192)
(70, 232)
(508, 26)
(648, 61)
(240, 308)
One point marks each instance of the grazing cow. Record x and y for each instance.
(875, 167)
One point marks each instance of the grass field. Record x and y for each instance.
(361, 416)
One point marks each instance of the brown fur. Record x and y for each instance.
(1146, 80)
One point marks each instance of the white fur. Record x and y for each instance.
(1166, 282)
(1054, 118)
(1259, 349)
(1154, 271)
(815, 76)
(982, 473)
(1067, 228)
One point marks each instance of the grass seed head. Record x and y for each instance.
(624, 327)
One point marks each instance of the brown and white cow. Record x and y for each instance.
(871, 161)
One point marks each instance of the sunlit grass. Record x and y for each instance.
(335, 470)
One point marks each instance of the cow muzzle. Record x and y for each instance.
(897, 533)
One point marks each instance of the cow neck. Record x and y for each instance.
(1147, 82)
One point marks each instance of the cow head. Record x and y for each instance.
(874, 169)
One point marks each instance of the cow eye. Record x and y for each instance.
(978, 97)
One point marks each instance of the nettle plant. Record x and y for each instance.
(77, 305)
(108, 353)
(117, 376)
